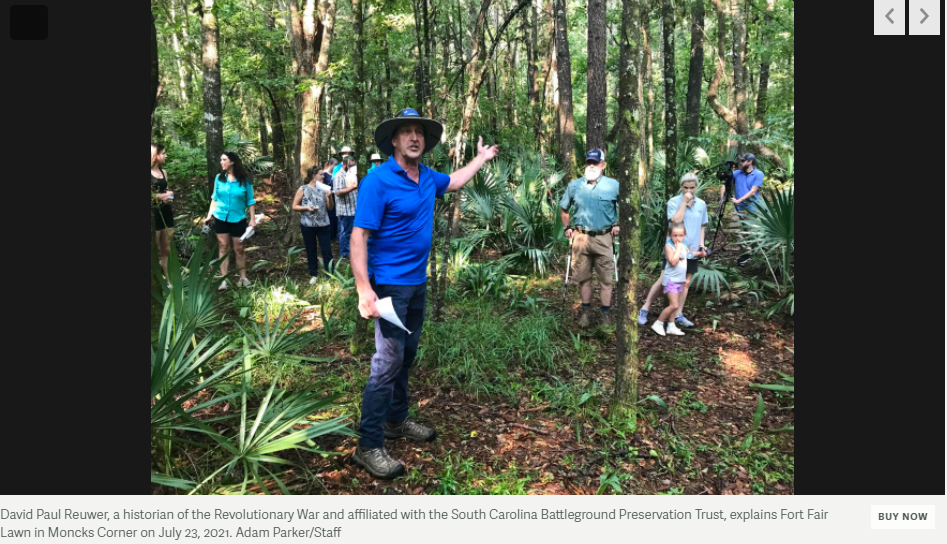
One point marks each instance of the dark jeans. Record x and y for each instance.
(310, 234)
(345, 231)
(386, 393)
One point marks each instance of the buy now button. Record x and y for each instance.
(902, 516)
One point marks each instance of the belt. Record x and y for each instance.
(593, 232)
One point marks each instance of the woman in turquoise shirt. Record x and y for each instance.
(233, 194)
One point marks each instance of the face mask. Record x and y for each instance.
(592, 173)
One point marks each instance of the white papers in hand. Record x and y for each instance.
(387, 312)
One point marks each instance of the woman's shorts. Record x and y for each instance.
(164, 217)
(234, 229)
(674, 287)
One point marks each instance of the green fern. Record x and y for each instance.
(709, 279)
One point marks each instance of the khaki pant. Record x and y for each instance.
(588, 250)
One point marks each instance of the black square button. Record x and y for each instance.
(29, 22)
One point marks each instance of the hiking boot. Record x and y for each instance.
(607, 318)
(411, 429)
(584, 317)
(378, 463)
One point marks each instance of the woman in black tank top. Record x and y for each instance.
(161, 205)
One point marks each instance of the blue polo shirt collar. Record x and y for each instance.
(396, 168)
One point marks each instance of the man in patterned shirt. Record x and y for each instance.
(345, 189)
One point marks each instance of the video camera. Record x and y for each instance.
(725, 173)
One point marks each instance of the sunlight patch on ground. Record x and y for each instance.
(738, 364)
(310, 320)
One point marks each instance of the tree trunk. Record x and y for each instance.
(435, 297)
(331, 115)
(358, 143)
(564, 74)
(739, 73)
(264, 140)
(670, 108)
(419, 64)
(446, 43)
(511, 109)
(595, 103)
(649, 77)
(178, 53)
(244, 122)
(213, 116)
(643, 54)
(190, 58)
(279, 157)
(696, 73)
(346, 126)
(547, 69)
(555, 99)
(154, 67)
(722, 110)
(625, 400)
(719, 108)
(307, 108)
(760, 116)
(384, 45)
(426, 60)
(276, 117)
(532, 79)
(305, 34)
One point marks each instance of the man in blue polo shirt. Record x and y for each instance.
(390, 244)
(747, 183)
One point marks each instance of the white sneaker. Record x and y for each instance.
(658, 327)
(223, 286)
(672, 329)
(312, 280)
(244, 282)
